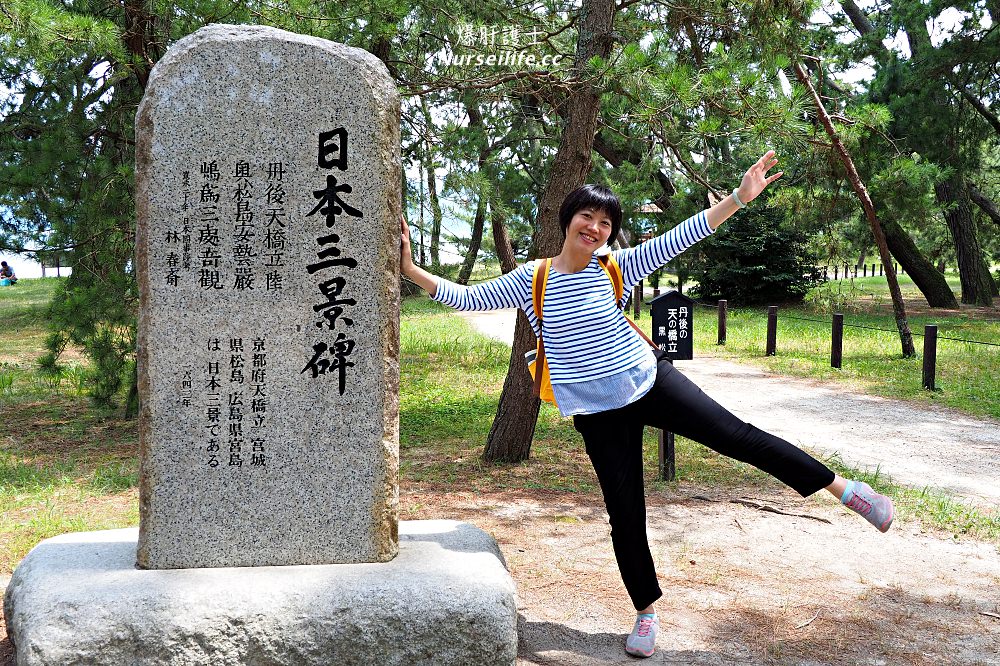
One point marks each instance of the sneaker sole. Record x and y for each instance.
(884, 527)
(639, 653)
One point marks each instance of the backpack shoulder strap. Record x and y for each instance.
(614, 272)
(538, 283)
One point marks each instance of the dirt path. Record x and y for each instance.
(917, 445)
(741, 586)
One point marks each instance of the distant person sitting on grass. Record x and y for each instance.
(7, 273)
(612, 383)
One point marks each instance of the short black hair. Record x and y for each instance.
(592, 196)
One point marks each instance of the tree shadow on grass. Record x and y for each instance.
(64, 428)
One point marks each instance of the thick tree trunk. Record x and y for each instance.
(923, 273)
(572, 163)
(978, 287)
(902, 325)
(140, 39)
(514, 426)
(477, 238)
(570, 169)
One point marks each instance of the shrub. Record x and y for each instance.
(754, 259)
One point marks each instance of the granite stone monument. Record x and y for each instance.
(267, 177)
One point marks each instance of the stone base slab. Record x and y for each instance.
(447, 598)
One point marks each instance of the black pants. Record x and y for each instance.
(614, 444)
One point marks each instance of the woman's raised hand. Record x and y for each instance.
(422, 278)
(756, 178)
(405, 253)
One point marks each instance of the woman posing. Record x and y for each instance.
(613, 384)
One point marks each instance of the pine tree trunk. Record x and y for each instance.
(978, 287)
(432, 189)
(899, 309)
(985, 204)
(475, 123)
(474, 242)
(501, 240)
(435, 214)
(923, 273)
(514, 425)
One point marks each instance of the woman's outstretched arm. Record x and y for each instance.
(511, 290)
(639, 261)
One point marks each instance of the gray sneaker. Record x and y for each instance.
(642, 641)
(876, 509)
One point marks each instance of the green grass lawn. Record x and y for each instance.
(68, 466)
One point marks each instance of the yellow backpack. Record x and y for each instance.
(536, 357)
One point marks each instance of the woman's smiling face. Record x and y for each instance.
(589, 229)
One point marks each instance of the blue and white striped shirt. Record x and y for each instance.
(596, 360)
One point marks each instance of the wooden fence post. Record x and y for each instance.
(837, 343)
(930, 355)
(723, 311)
(772, 330)
(637, 300)
(665, 452)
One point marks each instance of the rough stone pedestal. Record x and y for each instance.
(446, 599)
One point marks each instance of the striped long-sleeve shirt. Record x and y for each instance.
(596, 360)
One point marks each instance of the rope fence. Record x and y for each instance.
(892, 330)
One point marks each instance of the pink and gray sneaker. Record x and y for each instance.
(642, 641)
(876, 509)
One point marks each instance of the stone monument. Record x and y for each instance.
(267, 177)
(267, 182)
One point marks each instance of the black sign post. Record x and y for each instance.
(673, 316)
(673, 333)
